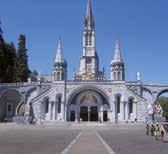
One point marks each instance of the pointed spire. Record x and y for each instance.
(117, 53)
(59, 55)
(89, 21)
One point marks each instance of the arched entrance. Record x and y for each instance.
(9, 102)
(88, 105)
(161, 105)
(84, 113)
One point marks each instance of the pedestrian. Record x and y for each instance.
(147, 129)
(157, 131)
(162, 131)
(152, 129)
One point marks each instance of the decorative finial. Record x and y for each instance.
(138, 76)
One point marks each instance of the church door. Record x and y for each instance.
(84, 113)
(94, 113)
(72, 115)
(105, 117)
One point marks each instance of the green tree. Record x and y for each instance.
(7, 61)
(164, 104)
(2, 48)
(34, 72)
(22, 61)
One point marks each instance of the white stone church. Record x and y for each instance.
(89, 96)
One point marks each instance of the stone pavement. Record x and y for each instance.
(88, 142)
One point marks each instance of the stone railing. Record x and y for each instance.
(22, 84)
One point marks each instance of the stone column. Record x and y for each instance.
(50, 110)
(76, 113)
(122, 110)
(62, 110)
(126, 110)
(101, 114)
(88, 113)
(135, 110)
(53, 113)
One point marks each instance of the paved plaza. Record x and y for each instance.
(78, 140)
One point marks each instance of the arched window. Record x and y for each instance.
(58, 76)
(62, 76)
(86, 40)
(118, 100)
(130, 105)
(90, 40)
(46, 106)
(118, 75)
(114, 76)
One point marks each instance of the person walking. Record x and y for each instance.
(157, 131)
(152, 129)
(147, 129)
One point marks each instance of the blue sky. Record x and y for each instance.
(141, 25)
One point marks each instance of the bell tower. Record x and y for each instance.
(60, 64)
(117, 64)
(89, 61)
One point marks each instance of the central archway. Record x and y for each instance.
(87, 104)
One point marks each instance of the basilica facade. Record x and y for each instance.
(89, 96)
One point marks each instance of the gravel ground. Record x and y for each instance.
(133, 141)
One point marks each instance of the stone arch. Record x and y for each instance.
(29, 93)
(90, 111)
(84, 88)
(9, 101)
(96, 96)
(147, 94)
(160, 93)
(131, 98)
(21, 109)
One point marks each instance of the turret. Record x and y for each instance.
(60, 64)
(117, 64)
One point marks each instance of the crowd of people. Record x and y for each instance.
(155, 130)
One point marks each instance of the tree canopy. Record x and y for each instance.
(13, 62)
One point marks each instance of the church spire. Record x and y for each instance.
(59, 55)
(60, 64)
(89, 21)
(117, 64)
(117, 53)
